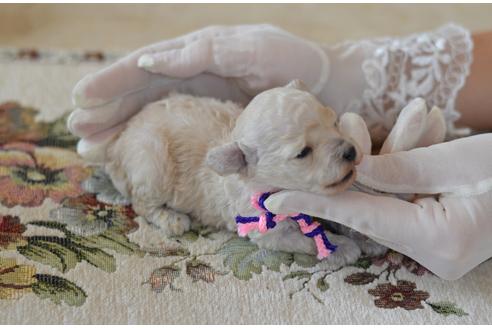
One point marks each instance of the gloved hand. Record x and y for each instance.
(448, 232)
(374, 78)
(228, 63)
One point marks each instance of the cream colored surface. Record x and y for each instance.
(125, 27)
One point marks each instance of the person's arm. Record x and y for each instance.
(474, 101)
(375, 78)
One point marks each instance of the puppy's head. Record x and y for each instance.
(286, 139)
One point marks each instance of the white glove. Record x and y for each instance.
(228, 63)
(448, 232)
(374, 78)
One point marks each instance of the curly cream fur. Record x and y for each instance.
(162, 161)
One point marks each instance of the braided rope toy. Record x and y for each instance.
(267, 220)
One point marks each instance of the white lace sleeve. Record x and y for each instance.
(431, 65)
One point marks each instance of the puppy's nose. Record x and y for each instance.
(350, 154)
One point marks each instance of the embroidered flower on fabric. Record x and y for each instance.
(11, 232)
(30, 174)
(163, 277)
(396, 260)
(18, 123)
(403, 295)
(101, 185)
(201, 271)
(86, 216)
(15, 279)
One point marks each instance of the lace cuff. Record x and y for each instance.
(432, 65)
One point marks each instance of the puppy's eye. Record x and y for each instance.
(305, 151)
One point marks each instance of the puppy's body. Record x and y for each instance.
(160, 162)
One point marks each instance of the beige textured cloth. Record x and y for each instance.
(125, 27)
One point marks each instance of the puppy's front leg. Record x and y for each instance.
(171, 222)
(287, 237)
(367, 245)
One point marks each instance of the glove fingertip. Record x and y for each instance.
(175, 63)
(408, 128)
(70, 123)
(146, 61)
(80, 97)
(275, 203)
(435, 130)
(271, 205)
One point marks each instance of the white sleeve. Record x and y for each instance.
(376, 78)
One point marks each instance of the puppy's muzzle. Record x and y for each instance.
(349, 152)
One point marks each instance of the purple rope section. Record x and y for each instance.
(268, 220)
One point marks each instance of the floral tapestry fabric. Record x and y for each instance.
(73, 250)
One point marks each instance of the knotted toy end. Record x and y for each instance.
(323, 250)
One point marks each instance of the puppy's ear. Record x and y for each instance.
(226, 159)
(297, 84)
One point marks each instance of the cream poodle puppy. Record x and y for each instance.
(187, 158)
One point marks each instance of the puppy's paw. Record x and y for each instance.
(290, 243)
(367, 245)
(171, 223)
(347, 251)
(371, 248)
(286, 237)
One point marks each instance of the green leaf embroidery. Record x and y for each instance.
(245, 258)
(305, 261)
(50, 225)
(99, 258)
(447, 308)
(58, 290)
(44, 255)
(193, 235)
(297, 275)
(66, 258)
(64, 253)
(58, 135)
(322, 284)
(110, 240)
(206, 231)
(189, 236)
(166, 251)
(363, 263)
